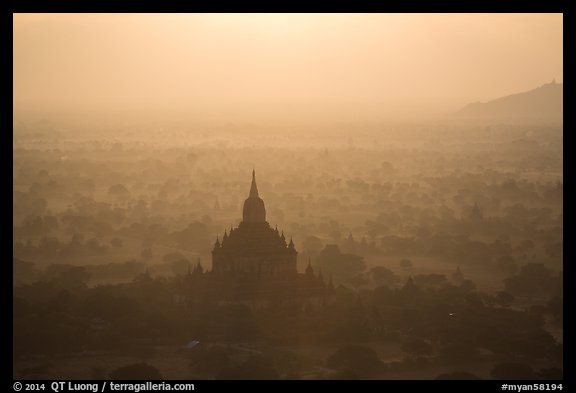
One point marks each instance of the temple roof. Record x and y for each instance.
(254, 239)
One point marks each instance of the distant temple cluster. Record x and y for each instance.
(253, 264)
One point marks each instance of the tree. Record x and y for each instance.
(555, 306)
(406, 264)
(504, 298)
(312, 245)
(194, 237)
(432, 279)
(68, 276)
(507, 265)
(341, 266)
(173, 257)
(238, 322)
(382, 276)
(179, 266)
(533, 279)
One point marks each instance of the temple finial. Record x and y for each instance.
(253, 187)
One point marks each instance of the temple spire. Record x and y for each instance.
(253, 187)
(199, 269)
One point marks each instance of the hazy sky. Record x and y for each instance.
(226, 64)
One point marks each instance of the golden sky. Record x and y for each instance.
(319, 63)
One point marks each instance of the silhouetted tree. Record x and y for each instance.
(381, 275)
(406, 264)
(341, 266)
(533, 279)
(312, 245)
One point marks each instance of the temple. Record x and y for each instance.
(254, 247)
(253, 264)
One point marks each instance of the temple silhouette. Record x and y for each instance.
(253, 264)
(254, 247)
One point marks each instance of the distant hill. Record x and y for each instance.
(544, 103)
